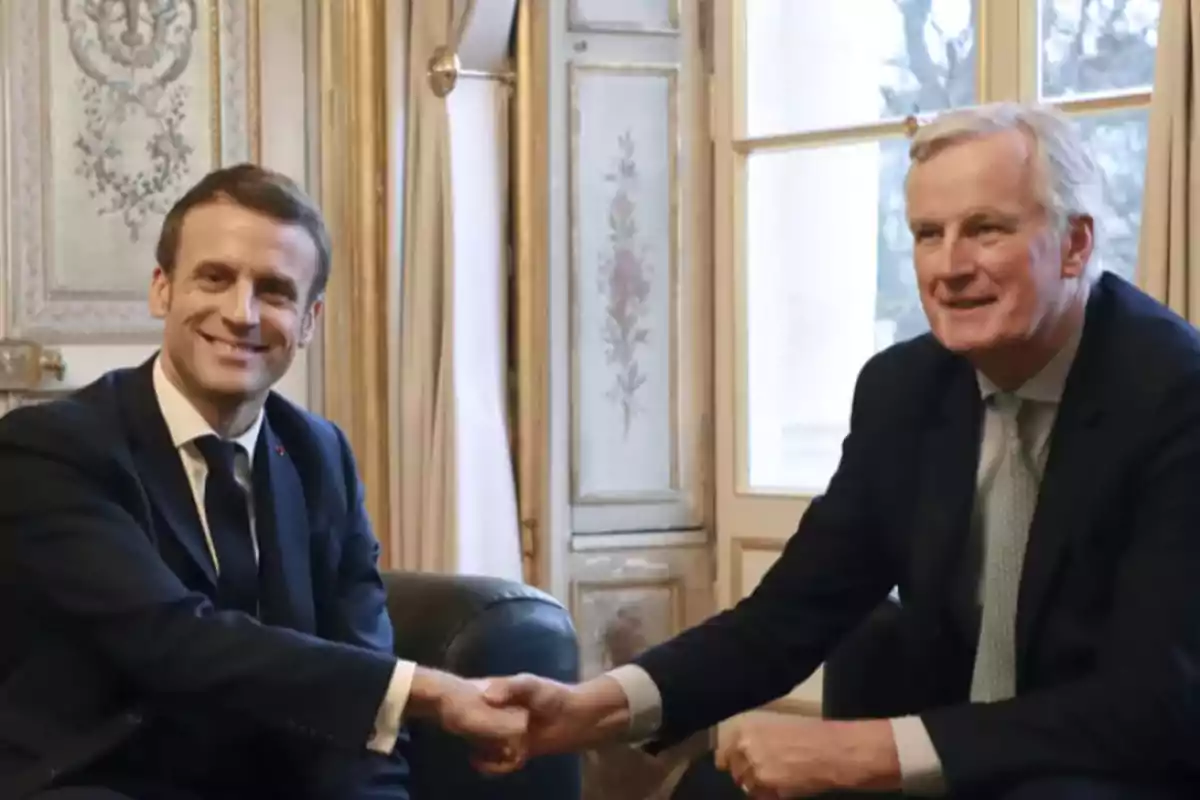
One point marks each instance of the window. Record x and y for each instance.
(818, 261)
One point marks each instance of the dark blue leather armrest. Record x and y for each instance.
(478, 627)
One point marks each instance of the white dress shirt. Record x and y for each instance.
(920, 766)
(185, 425)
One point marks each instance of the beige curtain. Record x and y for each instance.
(427, 439)
(458, 505)
(1168, 262)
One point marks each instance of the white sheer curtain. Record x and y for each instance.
(1168, 262)
(458, 499)
(488, 533)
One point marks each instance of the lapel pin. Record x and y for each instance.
(279, 451)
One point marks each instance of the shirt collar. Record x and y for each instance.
(184, 422)
(1047, 386)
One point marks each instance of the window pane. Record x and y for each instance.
(829, 282)
(1118, 143)
(1097, 47)
(814, 64)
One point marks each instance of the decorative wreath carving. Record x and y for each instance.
(132, 54)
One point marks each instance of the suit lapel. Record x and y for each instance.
(1068, 487)
(281, 522)
(949, 458)
(161, 470)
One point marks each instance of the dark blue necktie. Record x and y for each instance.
(228, 514)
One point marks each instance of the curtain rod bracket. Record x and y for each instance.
(445, 70)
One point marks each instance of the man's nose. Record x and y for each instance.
(240, 305)
(956, 261)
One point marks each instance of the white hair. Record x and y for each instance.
(1067, 178)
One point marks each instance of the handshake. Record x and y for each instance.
(512, 719)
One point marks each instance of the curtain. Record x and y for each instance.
(488, 540)
(457, 497)
(427, 436)
(1168, 265)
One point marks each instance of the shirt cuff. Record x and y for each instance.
(645, 701)
(920, 768)
(387, 719)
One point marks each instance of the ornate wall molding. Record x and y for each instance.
(108, 120)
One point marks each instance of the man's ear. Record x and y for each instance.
(1077, 245)
(308, 325)
(160, 293)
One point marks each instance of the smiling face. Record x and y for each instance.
(236, 306)
(994, 271)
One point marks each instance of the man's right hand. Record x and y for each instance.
(457, 706)
(563, 718)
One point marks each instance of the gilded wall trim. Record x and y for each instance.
(531, 189)
(362, 331)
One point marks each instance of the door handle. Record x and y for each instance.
(25, 365)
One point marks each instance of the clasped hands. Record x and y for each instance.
(510, 720)
(771, 757)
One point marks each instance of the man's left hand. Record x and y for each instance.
(775, 757)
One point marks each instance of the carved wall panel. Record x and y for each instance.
(624, 16)
(625, 601)
(113, 109)
(625, 266)
(635, 391)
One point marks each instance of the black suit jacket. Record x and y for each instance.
(1108, 628)
(105, 587)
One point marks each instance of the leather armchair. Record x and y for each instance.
(478, 627)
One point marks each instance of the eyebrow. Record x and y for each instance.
(271, 280)
(973, 217)
(278, 283)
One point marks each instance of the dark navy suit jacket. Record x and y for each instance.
(105, 585)
(1108, 628)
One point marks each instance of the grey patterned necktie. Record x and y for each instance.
(1008, 513)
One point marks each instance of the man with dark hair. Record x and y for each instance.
(190, 598)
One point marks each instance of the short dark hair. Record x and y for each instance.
(257, 188)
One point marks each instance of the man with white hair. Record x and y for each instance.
(1053, 654)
